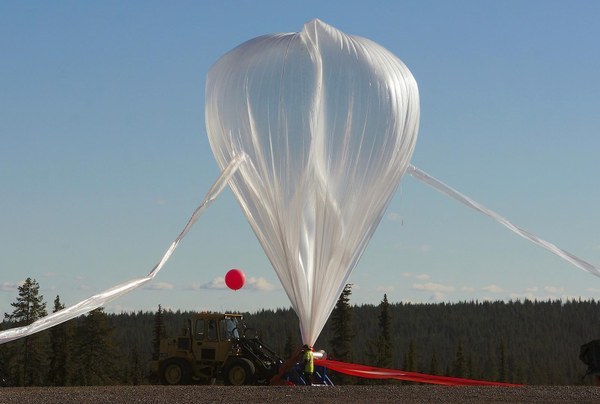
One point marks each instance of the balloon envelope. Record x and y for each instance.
(235, 279)
(328, 122)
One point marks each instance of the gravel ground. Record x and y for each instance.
(314, 394)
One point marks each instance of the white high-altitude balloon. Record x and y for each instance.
(328, 122)
(320, 127)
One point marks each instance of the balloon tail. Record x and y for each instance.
(113, 293)
(465, 200)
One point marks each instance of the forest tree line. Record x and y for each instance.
(530, 342)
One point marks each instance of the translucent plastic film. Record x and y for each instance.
(329, 123)
(113, 293)
(465, 200)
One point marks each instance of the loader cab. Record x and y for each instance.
(214, 336)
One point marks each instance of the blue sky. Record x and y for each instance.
(104, 152)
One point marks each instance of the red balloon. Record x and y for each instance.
(235, 279)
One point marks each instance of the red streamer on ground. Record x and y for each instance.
(371, 372)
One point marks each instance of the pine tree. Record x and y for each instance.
(411, 357)
(379, 348)
(5, 352)
(27, 368)
(60, 350)
(136, 375)
(458, 367)
(29, 306)
(159, 332)
(502, 362)
(433, 365)
(469, 370)
(95, 354)
(290, 346)
(384, 341)
(341, 320)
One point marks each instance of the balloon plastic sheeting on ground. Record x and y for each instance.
(329, 123)
(370, 372)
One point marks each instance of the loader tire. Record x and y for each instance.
(240, 372)
(175, 371)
